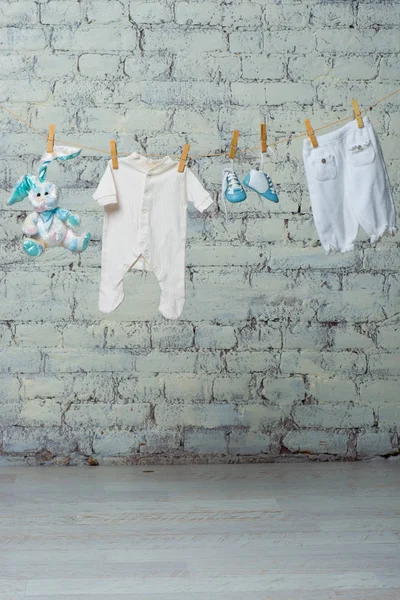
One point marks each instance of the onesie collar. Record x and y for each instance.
(150, 165)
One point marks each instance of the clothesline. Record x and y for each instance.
(241, 150)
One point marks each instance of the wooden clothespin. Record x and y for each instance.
(114, 155)
(311, 133)
(234, 142)
(263, 137)
(184, 155)
(357, 114)
(50, 138)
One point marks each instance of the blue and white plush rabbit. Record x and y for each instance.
(48, 225)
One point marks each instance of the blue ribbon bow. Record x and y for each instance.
(47, 215)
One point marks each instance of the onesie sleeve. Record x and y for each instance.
(106, 192)
(196, 193)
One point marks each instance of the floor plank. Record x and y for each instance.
(252, 532)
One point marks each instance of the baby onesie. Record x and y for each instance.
(144, 227)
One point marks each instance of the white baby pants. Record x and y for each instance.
(349, 186)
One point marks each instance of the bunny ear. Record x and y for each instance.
(62, 153)
(43, 170)
(22, 189)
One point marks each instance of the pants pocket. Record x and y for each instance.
(361, 154)
(323, 166)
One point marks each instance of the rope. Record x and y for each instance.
(243, 150)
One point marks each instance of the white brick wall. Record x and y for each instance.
(281, 350)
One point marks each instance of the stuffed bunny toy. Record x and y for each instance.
(48, 225)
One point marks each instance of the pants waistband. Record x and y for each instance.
(338, 134)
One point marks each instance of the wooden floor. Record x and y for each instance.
(252, 532)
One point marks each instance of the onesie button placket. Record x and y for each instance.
(142, 188)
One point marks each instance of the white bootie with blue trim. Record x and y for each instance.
(261, 183)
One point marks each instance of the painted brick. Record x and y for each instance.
(117, 443)
(241, 13)
(348, 337)
(384, 365)
(387, 13)
(93, 336)
(30, 334)
(257, 337)
(283, 391)
(209, 416)
(345, 363)
(331, 390)
(176, 40)
(213, 336)
(52, 439)
(9, 389)
(223, 68)
(53, 67)
(389, 67)
(204, 442)
(248, 93)
(107, 415)
(91, 66)
(150, 12)
(316, 442)
(18, 14)
(305, 67)
(387, 41)
(143, 389)
(197, 13)
(246, 41)
(20, 360)
(251, 362)
(372, 391)
(332, 14)
(337, 417)
(288, 15)
(374, 444)
(45, 413)
(285, 41)
(94, 38)
(188, 388)
(232, 388)
(182, 93)
(166, 336)
(307, 336)
(5, 336)
(44, 387)
(69, 361)
(246, 444)
(148, 68)
(182, 362)
(259, 415)
(356, 67)
(160, 442)
(389, 416)
(276, 93)
(108, 11)
(15, 38)
(131, 336)
(60, 13)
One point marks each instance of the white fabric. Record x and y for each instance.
(349, 186)
(145, 227)
(258, 181)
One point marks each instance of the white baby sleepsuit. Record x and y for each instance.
(349, 186)
(145, 227)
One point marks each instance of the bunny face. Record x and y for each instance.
(43, 196)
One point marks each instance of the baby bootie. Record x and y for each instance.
(232, 189)
(261, 183)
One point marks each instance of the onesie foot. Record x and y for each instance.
(33, 248)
